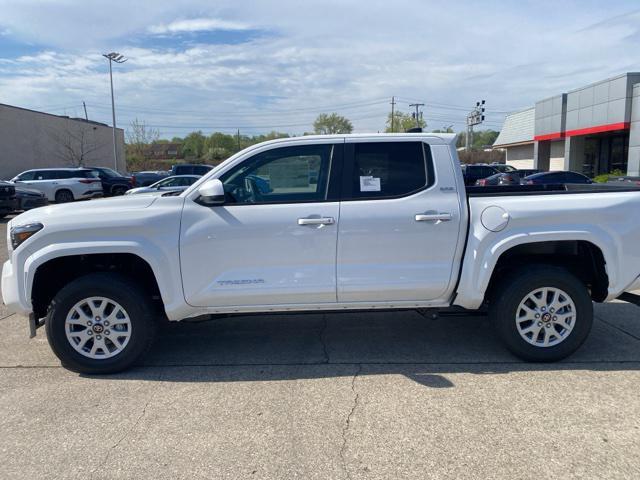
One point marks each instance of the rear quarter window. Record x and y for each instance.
(380, 170)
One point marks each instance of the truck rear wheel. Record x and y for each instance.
(100, 323)
(543, 314)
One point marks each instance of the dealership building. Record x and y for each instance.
(593, 130)
(32, 139)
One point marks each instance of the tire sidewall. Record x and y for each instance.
(514, 290)
(66, 195)
(100, 285)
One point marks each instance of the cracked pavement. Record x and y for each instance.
(327, 396)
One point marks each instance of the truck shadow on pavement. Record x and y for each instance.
(290, 347)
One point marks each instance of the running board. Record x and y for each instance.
(630, 298)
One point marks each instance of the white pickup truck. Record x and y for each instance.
(332, 223)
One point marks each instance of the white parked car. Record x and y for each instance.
(348, 222)
(177, 183)
(62, 185)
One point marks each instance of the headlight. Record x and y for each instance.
(22, 232)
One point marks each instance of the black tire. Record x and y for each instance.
(112, 286)
(513, 290)
(64, 196)
(118, 190)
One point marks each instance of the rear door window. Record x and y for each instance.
(380, 170)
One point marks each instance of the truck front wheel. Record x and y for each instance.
(100, 323)
(543, 314)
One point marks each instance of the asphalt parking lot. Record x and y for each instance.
(336, 396)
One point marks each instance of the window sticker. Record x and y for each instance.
(370, 184)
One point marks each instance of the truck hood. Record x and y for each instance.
(89, 208)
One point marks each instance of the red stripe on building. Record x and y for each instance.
(584, 131)
(549, 136)
(602, 128)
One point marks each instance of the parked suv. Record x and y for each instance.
(8, 200)
(473, 173)
(191, 169)
(146, 178)
(62, 185)
(113, 183)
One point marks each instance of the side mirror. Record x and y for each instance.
(211, 193)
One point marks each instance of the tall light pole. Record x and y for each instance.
(114, 57)
(475, 117)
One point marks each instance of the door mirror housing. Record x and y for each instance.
(211, 193)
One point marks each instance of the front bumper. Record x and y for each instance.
(8, 204)
(27, 203)
(11, 290)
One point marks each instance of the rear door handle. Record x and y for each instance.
(316, 221)
(426, 217)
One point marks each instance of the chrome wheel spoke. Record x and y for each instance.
(545, 317)
(564, 320)
(88, 322)
(534, 328)
(82, 337)
(98, 306)
(529, 313)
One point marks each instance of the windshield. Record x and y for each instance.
(504, 168)
(162, 183)
(110, 173)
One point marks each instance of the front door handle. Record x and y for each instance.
(316, 221)
(426, 217)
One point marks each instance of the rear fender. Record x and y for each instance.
(482, 255)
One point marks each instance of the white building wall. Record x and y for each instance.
(520, 156)
(30, 139)
(556, 160)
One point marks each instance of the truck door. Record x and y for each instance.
(273, 242)
(399, 221)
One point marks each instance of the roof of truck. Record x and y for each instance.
(448, 138)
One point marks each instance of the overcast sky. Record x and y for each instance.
(262, 66)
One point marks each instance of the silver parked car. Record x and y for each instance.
(176, 183)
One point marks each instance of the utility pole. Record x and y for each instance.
(84, 105)
(393, 113)
(114, 57)
(238, 136)
(475, 117)
(417, 116)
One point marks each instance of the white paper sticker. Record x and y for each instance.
(369, 184)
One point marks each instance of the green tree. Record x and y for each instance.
(193, 145)
(443, 130)
(327, 124)
(481, 139)
(220, 146)
(403, 122)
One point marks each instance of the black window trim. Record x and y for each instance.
(336, 160)
(349, 162)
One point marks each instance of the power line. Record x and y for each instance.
(319, 109)
(210, 127)
(417, 116)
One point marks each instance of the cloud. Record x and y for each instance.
(196, 63)
(196, 25)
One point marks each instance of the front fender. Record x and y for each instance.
(154, 256)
